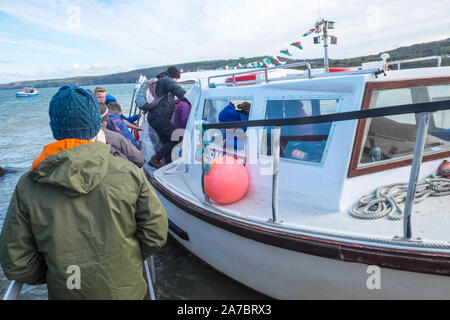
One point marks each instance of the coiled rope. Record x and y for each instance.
(385, 201)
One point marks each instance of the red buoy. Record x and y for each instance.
(227, 180)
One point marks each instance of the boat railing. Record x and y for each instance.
(266, 78)
(400, 62)
(265, 70)
(423, 110)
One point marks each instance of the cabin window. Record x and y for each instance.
(391, 138)
(227, 110)
(300, 142)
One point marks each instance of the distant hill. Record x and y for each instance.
(440, 48)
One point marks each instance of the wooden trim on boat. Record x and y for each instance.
(353, 170)
(405, 260)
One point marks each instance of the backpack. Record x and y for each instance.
(146, 98)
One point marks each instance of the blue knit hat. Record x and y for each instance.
(110, 98)
(74, 114)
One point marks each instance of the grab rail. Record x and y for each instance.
(424, 109)
(286, 66)
(399, 62)
(13, 290)
(15, 287)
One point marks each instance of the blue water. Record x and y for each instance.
(24, 130)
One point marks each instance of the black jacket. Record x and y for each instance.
(167, 89)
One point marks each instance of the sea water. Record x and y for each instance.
(24, 130)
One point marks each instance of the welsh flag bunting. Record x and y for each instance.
(297, 44)
(275, 60)
(265, 64)
(311, 31)
(239, 65)
(248, 65)
(286, 52)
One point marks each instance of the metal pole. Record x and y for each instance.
(415, 169)
(325, 46)
(275, 132)
(153, 273)
(13, 290)
(149, 281)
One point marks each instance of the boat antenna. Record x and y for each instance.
(318, 6)
(322, 26)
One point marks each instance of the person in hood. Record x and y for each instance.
(160, 117)
(81, 220)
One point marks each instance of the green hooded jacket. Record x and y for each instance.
(83, 212)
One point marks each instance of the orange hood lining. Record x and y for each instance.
(56, 147)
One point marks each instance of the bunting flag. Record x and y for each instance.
(297, 44)
(311, 31)
(275, 60)
(286, 52)
(239, 65)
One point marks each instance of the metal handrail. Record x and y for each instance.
(286, 66)
(399, 62)
(13, 290)
(15, 287)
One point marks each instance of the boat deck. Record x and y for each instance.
(430, 219)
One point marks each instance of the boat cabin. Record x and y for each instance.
(324, 168)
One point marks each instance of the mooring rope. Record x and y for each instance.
(385, 201)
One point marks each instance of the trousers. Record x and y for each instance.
(164, 129)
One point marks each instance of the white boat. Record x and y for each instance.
(292, 235)
(28, 92)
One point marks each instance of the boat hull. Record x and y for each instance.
(287, 274)
(19, 95)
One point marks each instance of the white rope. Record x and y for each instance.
(385, 201)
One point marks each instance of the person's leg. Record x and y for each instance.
(164, 128)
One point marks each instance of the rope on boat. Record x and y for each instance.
(385, 201)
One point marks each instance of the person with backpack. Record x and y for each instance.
(160, 111)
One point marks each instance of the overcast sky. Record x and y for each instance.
(43, 39)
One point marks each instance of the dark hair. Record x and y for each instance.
(244, 108)
(115, 107)
(173, 72)
(103, 111)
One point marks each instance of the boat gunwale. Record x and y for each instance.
(353, 169)
(420, 261)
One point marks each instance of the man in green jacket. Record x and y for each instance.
(81, 220)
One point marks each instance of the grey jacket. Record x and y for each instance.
(122, 147)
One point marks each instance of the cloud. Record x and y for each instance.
(61, 72)
(158, 32)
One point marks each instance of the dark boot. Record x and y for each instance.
(154, 162)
